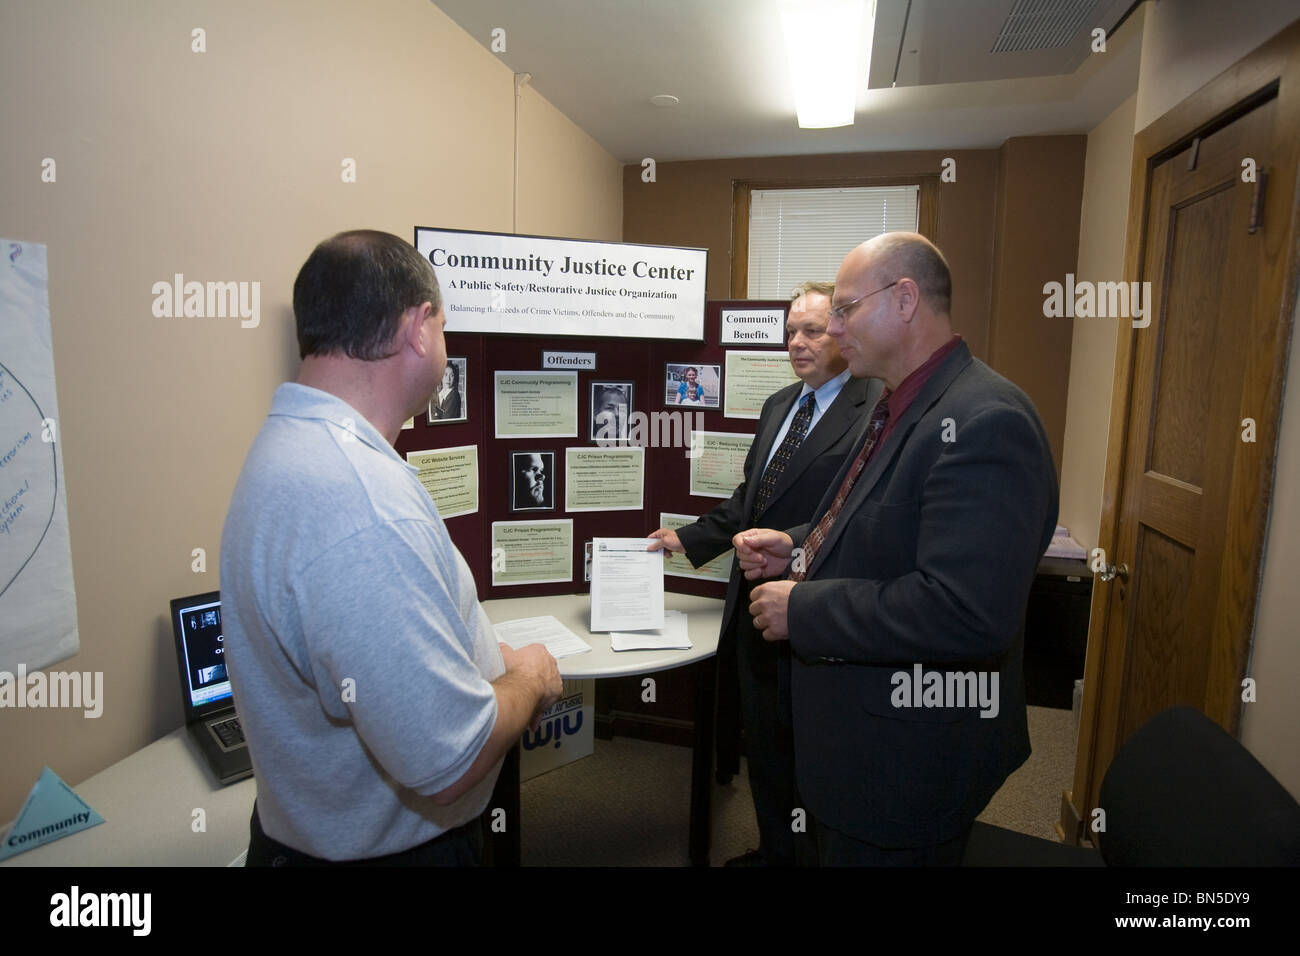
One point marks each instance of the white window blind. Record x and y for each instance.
(802, 235)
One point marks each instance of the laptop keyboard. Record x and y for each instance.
(229, 732)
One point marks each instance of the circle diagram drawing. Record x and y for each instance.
(28, 478)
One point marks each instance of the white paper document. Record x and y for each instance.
(671, 636)
(1064, 546)
(545, 630)
(627, 585)
(38, 606)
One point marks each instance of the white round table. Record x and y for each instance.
(704, 621)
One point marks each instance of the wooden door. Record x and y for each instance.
(1187, 494)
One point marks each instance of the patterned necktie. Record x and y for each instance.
(817, 536)
(775, 467)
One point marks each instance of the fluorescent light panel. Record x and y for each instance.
(822, 42)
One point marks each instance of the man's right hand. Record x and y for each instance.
(763, 553)
(534, 662)
(666, 540)
(530, 684)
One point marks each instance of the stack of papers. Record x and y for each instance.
(545, 630)
(1064, 546)
(671, 636)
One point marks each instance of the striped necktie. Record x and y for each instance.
(793, 438)
(817, 536)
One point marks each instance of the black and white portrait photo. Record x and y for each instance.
(611, 406)
(533, 482)
(447, 404)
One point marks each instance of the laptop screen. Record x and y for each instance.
(198, 620)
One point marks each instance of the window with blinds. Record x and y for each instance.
(802, 235)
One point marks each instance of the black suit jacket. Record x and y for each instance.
(930, 562)
(806, 476)
(450, 408)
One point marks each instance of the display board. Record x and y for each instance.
(567, 473)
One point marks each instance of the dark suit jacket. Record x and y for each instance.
(805, 477)
(450, 408)
(930, 562)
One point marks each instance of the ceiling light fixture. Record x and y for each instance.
(822, 41)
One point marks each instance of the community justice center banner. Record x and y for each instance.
(494, 282)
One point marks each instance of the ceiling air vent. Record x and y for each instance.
(1042, 24)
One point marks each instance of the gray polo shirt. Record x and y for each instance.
(358, 651)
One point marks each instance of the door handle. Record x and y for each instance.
(1110, 572)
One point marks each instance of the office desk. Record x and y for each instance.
(1056, 631)
(148, 799)
(148, 802)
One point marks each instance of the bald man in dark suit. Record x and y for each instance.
(903, 607)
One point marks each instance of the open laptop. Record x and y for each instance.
(205, 686)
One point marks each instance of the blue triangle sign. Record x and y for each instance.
(52, 811)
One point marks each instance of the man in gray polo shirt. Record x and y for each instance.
(375, 699)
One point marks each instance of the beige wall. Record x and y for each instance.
(1270, 726)
(223, 165)
(1092, 350)
(1187, 43)
(568, 185)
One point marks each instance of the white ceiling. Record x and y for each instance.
(600, 61)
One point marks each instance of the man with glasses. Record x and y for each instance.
(904, 603)
(804, 432)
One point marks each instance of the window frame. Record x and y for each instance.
(927, 211)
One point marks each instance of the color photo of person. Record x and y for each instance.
(533, 480)
(693, 385)
(447, 404)
(611, 405)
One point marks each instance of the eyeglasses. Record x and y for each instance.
(841, 312)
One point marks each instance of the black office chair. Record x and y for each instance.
(1179, 792)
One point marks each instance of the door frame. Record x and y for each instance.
(1272, 70)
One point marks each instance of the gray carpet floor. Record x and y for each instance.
(628, 803)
